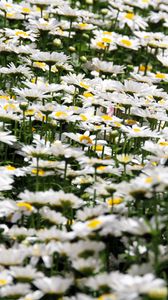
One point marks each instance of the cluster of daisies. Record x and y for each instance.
(84, 149)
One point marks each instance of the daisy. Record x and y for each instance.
(27, 273)
(134, 21)
(5, 5)
(91, 212)
(31, 94)
(78, 80)
(155, 17)
(20, 232)
(87, 266)
(53, 285)
(50, 58)
(5, 278)
(85, 139)
(143, 4)
(83, 26)
(42, 25)
(128, 43)
(159, 76)
(104, 66)
(7, 138)
(45, 3)
(12, 257)
(25, 49)
(33, 296)
(65, 151)
(7, 47)
(85, 246)
(124, 158)
(163, 44)
(11, 170)
(20, 70)
(20, 34)
(138, 88)
(7, 207)
(63, 113)
(137, 131)
(103, 44)
(52, 216)
(163, 60)
(14, 15)
(18, 289)
(25, 8)
(65, 10)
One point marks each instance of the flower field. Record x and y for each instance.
(84, 150)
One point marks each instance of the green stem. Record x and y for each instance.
(65, 169)
(37, 175)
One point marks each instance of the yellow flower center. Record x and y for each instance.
(130, 122)
(85, 139)
(101, 168)
(8, 106)
(10, 15)
(106, 40)
(160, 293)
(107, 118)
(4, 97)
(106, 297)
(25, 205)
(163, 143)
(21, 33)
(97, 148)
(40, 172)
(41, 116)
(98, 126)
(101, 45)
(3, 282)
(160, 75)
(30, 112)
(117, 124)
(84, 85)
(124, 158)
(162, 101)
(39, 64)
(61, 114)
(119, 106)
(129, 16)
(60, 31)
(10, 168)
(142, 68)
(114, 201)
(163, 45)
(87, 94)
(126, 43)
(83, 25)
(26, 10)
(8, 5)
(147, 101)
(54, 69)
(149, 180)
(136, 129)
(83, 117)
(107, 32)
(93, 224)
